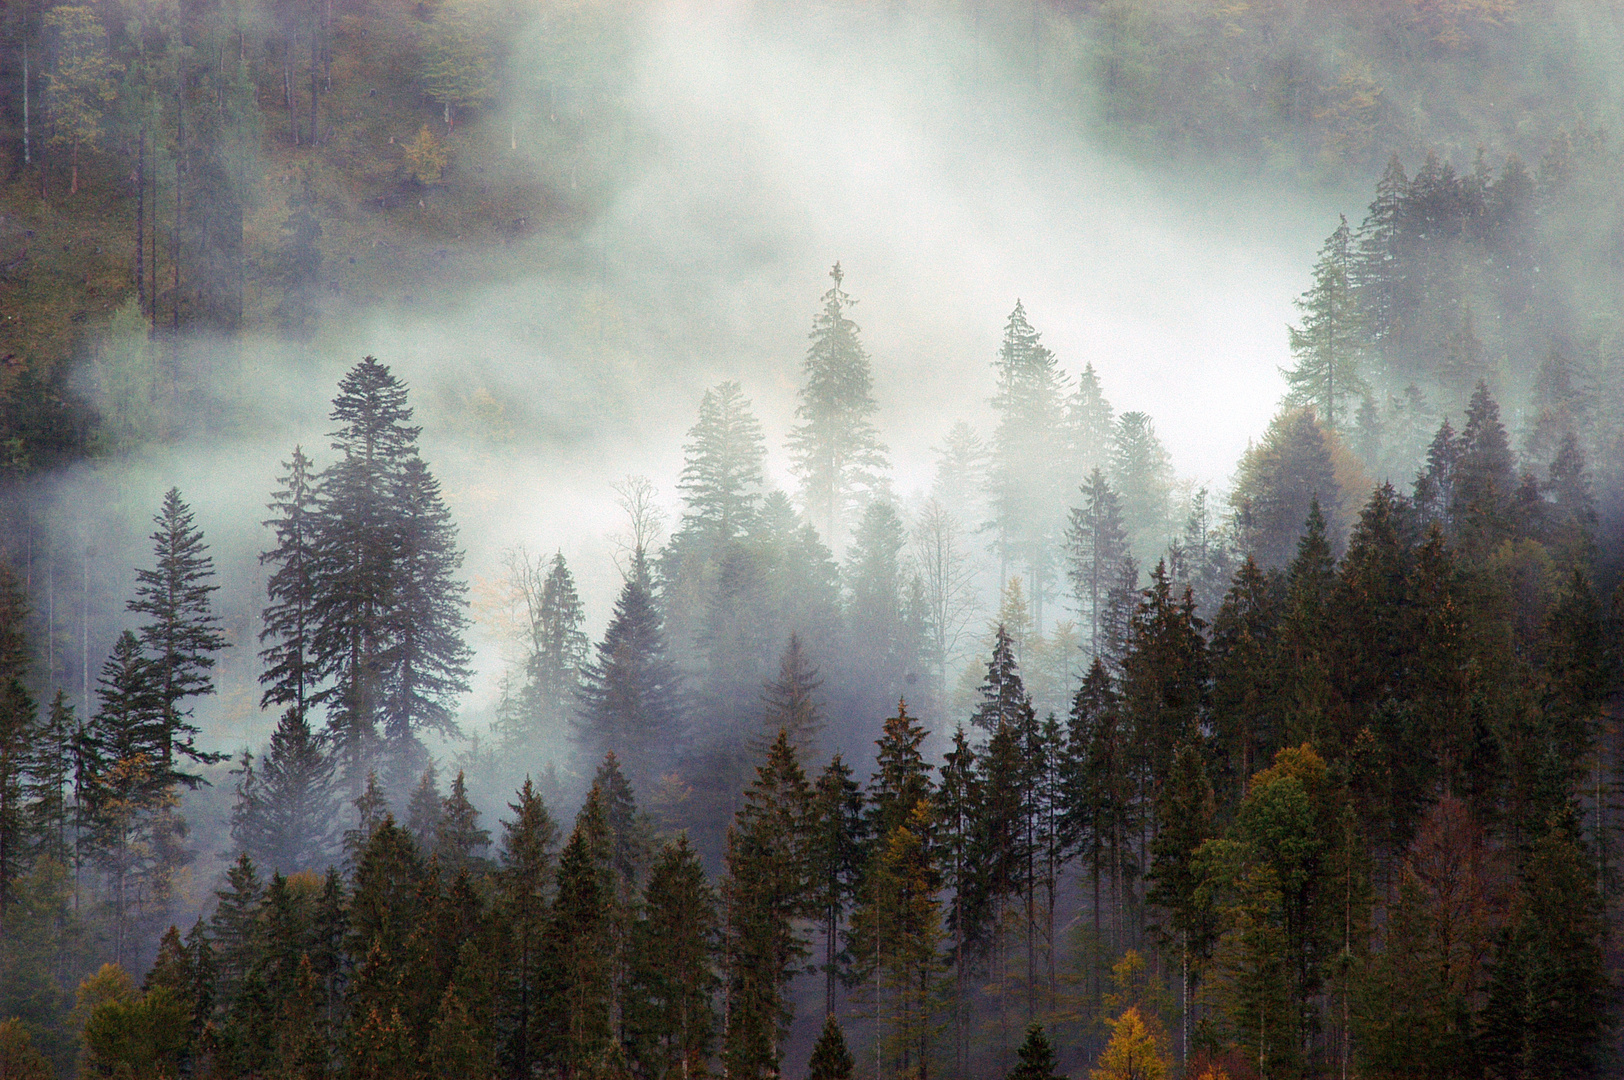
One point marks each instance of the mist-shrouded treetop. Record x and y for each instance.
(721, 481)
(1328, 344)
(836, 449)
(1026, 478)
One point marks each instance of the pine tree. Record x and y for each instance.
(1485, 478)
(1326, 346)
(1247, 727)
(1089, 424)
(1185, 819)
(876, 612)
(722, 477)
(1376, 273)
(836, 832)
(830, 1060)
(1101, 814)
(1278, 478)
(1164, 685)
(903, 779)
(961, 475)
(670, 1021)
(629, 692)
(291, 672)
(423, 812)
(181, 636)
(1097, 545)
(235, 929)
(837, 452)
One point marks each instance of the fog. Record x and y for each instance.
(761, 151)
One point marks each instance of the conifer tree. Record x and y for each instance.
(458, 840)
(1101, 814)
(1026, 483)
(1132, 1053)
(629, 691)
(181, 636)
(1035, 1057)
(1164, 685)
(722, 477)
(831, 1060)
(234, 929)
(836, 832)
(291, 673)
(524, 880)
(17, 735)
(423, 812)
(1097, 545)
(1185, 819)
(670, 1020)
(1484, 478)
(1288, 469)
(284, 817)
(558, 652)
(1326, 346)
(836, 450)
(579, 941)
(903, 779)
(1003, 696)
(957, 814)
(426, 661)
(763, 895)
(1247, 727)
(878, 626)
(791, 700)
(1089, 425)
(1141, 473)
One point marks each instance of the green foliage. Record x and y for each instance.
(831, 1060)
(457, 56)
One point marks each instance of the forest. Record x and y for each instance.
(1050, 761)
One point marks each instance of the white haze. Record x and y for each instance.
(767, 151)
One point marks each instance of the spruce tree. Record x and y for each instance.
(630, 701)
(1185, 819)
(1026, 482)
(1035, 1057)
(669, 1017)
(1003, 696)
(1484, 478)
(764, 895)
(831, 1060)
(1097, 545)
(957, 813)
(791, 700)
(1141, 473)
(17, 734)
(1164, 685)
(722, 477)
(835, 849)
(524, 880)
(181, 635)
(458, 840)
(291, 672)
(558, 651)
(877, 624)
(1326, 346)
(284, 818)
(425, 666)
(1089, 424)
(424, 811)
(578, 943)
(836, 451)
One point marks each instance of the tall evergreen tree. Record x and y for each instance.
(291, 672)
(524, 880)
(791, 700)
(670, 1018)
(181, 636)
(836, 832)
(1026, 481)
(1327, 345)
(883, 639)
(1003, 696)
(721, 480)
(1097, 545)
(284, 818)
(558, 651)
(764, 895)
(1141, 473)
(629, 701)
(579, 944)
(837, 452)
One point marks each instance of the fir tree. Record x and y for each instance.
(1035, 1057)
(1141, 472)
(424, 811)
(558, 652)
(956, 815)
(876, 611)
(17, 722)
(181, 636)
(579, 944)
(1484, 478)
(1089, 425)
(1003, 696)
(836, 450)
(291, 672)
